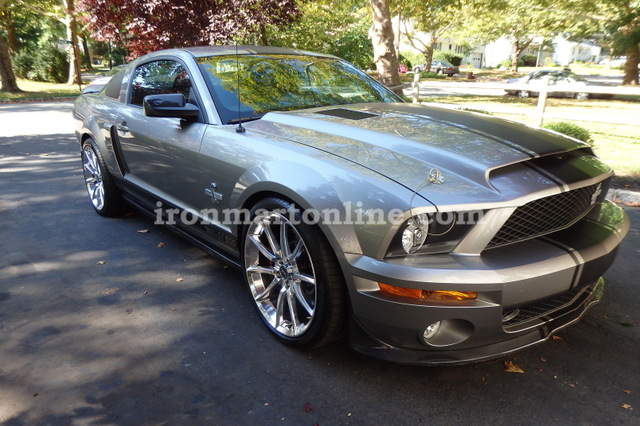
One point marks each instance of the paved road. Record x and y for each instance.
(97, 328)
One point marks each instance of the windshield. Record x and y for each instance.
(285, 82)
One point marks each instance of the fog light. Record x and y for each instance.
(431, 331)
(447, 332)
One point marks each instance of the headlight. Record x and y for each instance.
(415, 233)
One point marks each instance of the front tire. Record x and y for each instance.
(293, 276)
(523, 94)
(104, 195)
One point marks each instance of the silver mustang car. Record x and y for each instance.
(432, 236)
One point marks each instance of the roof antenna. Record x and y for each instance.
(240, 128)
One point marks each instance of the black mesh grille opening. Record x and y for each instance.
(545, 307)
(546, 215)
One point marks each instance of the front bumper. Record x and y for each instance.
(526, 292)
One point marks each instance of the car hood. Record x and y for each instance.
(407, 142)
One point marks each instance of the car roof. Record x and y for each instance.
(204, 51)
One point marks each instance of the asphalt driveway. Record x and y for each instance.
(120, 322)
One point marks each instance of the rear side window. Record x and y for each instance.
(158, 78)
(112, 89)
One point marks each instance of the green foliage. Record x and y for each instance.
(402, 60)
(528, 60)
(412, 58)
(572, 130)
(44, 63)
(354, 46)
(506, 63)
(432, 75)
(447, 56)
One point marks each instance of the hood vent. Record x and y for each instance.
(347, 113)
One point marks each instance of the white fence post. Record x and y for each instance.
(542, 101)
(416, 88)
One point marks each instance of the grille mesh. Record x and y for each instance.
(540, 309)
(546, 215)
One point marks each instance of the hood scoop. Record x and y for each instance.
(347, 113)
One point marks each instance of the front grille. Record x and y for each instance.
(546, 215)
(543, 308)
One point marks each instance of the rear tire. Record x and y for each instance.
(523, 94)
(104, 195)
(293, 276)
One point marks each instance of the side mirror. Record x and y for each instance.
(169, 105)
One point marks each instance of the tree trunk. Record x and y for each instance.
(384, 53)
(87, 56)
(516, 50)
(73, 53)
(631, 66)
(428, 53)
(12, 38)
(9, 83)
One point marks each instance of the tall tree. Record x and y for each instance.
(73, 51)
(616, 21)
(7, 77)
(432, 18)
(384, 51)
(143, 26)
(520, 20)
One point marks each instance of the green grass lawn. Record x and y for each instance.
(34, 90)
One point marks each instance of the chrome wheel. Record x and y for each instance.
(280, 274)
(523, 94)
(93, 177)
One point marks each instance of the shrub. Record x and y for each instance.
(447, 56)
(23, 63)
(412, 57)
(572, 130)
(403, 60)
(431, 75)
(506, 63)
(43, 63)
(528, 60)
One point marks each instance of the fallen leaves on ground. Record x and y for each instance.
(307, 407)
(626, 406)
(160, 244)
(555, 337)
(627, 391)
(128, 311)
(510, 367)
(632, 204)
(109, 291)
(143, 231)
(101, 262)
(180, 280)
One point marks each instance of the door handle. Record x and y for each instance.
(122, 127)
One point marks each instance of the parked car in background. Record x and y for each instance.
(434, 236)
(530, 85)
(98, 83)
(439, 67)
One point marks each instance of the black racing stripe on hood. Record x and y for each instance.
(528, 140)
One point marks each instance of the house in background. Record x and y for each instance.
(562, 51)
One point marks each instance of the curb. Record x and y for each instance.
(622, 196)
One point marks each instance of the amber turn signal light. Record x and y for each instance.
(428, 294)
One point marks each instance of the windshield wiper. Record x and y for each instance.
(244, 119)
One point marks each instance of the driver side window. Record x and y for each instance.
(158, 78)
